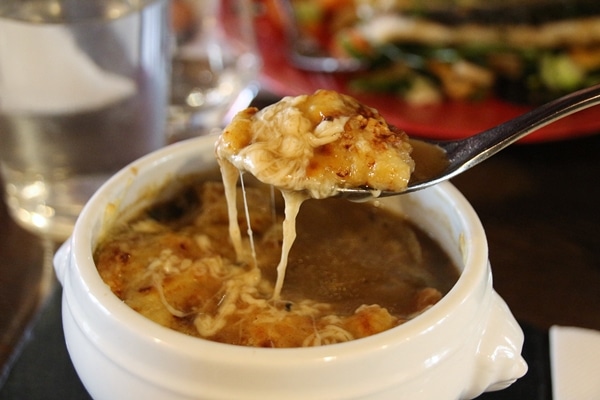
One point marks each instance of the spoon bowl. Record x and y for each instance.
(437, 161)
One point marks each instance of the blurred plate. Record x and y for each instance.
(448, 120)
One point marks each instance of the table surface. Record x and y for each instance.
(539, 204)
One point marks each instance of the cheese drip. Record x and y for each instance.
(293, 201)
(309, 147)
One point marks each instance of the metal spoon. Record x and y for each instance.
(437, 161)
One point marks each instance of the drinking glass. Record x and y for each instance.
(83, 92)
(215, 65)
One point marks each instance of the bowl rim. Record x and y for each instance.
(81, 259)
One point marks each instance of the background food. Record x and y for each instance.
(427, 52)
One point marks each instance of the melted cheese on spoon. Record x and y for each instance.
(310, 146)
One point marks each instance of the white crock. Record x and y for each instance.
(466, 344)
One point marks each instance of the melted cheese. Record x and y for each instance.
(317, 144)
(311, 146)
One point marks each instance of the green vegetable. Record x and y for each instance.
(559, 72)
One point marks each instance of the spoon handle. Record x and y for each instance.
(478, 148)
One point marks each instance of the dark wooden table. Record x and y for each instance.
(539, 204)
(540, 207)
(26, 279)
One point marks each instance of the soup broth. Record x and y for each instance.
(354, 270)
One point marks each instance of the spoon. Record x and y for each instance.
(437, 161)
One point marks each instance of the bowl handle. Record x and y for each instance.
(62, 259)
(498, 355)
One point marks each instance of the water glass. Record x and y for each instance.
(83, 91)
(215, 65)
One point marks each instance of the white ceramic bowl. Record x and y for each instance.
(466, 344)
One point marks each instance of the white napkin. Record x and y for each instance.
(575, 363)
(65, 80)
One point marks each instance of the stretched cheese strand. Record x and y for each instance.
(230, 176)
(293, 201)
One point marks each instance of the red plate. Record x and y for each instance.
(448, 120)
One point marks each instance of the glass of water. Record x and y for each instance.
(83, 92)
(215, 65)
